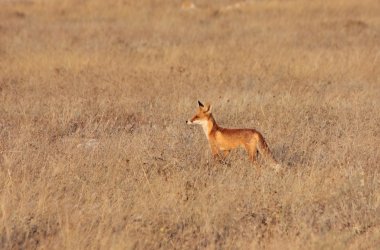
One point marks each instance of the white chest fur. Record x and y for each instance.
(204, 125)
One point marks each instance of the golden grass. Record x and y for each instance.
(128, 74)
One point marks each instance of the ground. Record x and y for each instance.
(94, 148)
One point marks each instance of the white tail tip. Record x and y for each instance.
(277, 167)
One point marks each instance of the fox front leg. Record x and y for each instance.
(225, 153)
(218, 155)
(214, 151)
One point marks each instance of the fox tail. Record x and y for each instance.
(264, 150)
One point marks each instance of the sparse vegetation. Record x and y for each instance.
(95, 152)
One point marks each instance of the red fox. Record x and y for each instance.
(225, 139)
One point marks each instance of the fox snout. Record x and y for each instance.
(188, 122)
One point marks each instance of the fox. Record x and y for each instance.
(223, 140)
(188, 5)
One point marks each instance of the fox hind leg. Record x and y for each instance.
(251, 149)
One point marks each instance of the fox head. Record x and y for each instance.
(202, 114)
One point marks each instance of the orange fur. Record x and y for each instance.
(225, 139)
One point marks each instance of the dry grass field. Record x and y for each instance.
(95, 152)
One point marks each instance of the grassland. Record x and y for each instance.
(125, 75)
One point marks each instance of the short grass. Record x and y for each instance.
(95, 152)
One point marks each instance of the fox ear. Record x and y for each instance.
(207, 109)
(200, 104)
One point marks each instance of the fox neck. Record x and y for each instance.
(209, 125)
